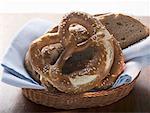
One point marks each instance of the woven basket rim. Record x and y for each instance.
(66, 101)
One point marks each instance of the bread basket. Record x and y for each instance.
(89, 99)
(83, 100)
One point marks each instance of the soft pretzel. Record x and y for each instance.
(100, 39)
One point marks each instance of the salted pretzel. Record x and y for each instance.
(84, 79)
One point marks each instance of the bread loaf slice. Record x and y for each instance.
(125, 29)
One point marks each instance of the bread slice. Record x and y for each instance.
(125, 29)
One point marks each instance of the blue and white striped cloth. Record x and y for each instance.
(136, 57)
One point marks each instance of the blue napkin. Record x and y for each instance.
(137, 57)
(13, 60)
(15, 74)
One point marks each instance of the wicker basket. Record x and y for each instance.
(84, 100)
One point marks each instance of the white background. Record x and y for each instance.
(133, 7)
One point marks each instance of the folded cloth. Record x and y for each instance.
(15, 74)
(139, 49)
(13, 60)
(11, 79)
(137, 57)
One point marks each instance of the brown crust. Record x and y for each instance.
(30, 69)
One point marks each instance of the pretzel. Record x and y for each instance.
(92, 73)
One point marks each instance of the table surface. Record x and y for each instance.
(12, 100)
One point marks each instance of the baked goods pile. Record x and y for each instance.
(80, 54)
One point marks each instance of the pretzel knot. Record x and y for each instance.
(50, 66)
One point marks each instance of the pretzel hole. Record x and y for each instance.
(78, 61)
(51, 53)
